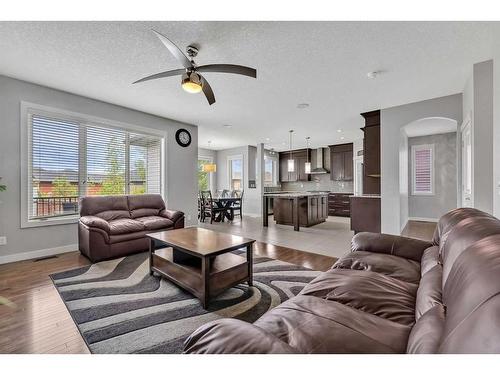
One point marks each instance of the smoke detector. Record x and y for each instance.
(374, 74)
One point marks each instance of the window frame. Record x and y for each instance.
(28, 109)
(229, 170)
(415, 148)
(274, 171)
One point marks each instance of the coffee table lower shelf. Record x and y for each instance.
(225, 271)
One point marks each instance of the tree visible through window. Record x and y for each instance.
(203, 177)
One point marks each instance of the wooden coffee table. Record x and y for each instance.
(200, 260)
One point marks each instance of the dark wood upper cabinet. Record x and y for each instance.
(300, 156)
(371, 153)
(341, 162)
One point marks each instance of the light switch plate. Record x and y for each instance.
(3, 240)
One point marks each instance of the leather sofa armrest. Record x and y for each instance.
(234, 337)
(95, 222)
(405, 247)
(171, 214)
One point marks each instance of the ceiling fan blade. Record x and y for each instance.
(174, 50)
(207, 90)
(168, 73)
(228, 68)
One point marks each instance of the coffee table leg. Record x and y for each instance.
(205, 272)
(250, 263)
(151, 252)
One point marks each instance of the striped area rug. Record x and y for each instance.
(119, 308)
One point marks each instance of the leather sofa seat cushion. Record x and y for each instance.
(426, 333)
(113, 215)
(390, 265)
(155, 222)
(430, 258)
(429, 291)
(122, 226)
(314, 325)
(371, 292)
(127, 237)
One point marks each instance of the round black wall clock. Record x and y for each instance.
(183, 137)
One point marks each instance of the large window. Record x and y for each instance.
(204, 179)
(235, 164)
(270, 171)
(70, 157)
(423, 169)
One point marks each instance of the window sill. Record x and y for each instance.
(50, 221)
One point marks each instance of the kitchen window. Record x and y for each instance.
(235, 172)
(270, 171)
(422, 169)
(67, 156)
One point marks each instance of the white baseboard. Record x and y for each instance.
(429, 219)
(37, 253)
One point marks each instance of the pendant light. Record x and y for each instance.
(307, 165)
(209, 167)
(291, 162)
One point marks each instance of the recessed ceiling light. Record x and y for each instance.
(374, 74)
(339, 130)
(268, 139)
(302, 105)
(342, 138)
(227, 126)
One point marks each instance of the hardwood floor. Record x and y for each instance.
(39, 321)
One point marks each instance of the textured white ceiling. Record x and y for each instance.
(320, 63)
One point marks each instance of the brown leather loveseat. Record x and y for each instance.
(113, 226)
(391, 294)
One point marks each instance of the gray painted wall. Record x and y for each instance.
(404, 157)
(180, 166)
(392, 119)
(445, 177)
(496, 131)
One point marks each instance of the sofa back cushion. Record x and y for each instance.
(429, 291)
(471, 295)
(464, 234)
(145, 205)
(106, 207)
(425, 335)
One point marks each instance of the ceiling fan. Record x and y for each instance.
(192, 81)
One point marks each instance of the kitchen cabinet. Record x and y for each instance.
(339, 204)
(300, 157)
(313, 209)
(341, 162)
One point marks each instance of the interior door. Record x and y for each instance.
(467, 165)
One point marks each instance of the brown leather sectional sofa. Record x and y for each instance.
(391, 294)
(114, 226)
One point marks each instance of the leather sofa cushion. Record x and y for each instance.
(429, 291)
(314, 325)
(123, 226)
(141, 212)
(426, 333)
(390, 265)
(105, 207)
(464, 234)
(95, 222)
(367, 291)
(472, 298)
(146, 201)
(430, 258)
(127, 237)
(155, 222)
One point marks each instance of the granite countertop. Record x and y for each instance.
(295, 194)
(366, 196)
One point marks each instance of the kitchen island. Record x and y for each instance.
(300, 209)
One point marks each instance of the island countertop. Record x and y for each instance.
(297, 194)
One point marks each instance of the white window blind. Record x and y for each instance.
(70, 158)
(423, 169)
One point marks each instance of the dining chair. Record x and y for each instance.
(208, 207)
(237, 205)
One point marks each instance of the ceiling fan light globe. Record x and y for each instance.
(192, 83)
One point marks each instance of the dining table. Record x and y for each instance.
(224, 203)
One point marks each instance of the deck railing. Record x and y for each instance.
(54, 206)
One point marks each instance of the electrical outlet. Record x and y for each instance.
(3, 240)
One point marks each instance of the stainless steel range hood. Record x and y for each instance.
(319, 168)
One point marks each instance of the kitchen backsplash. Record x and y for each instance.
(319, 182)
